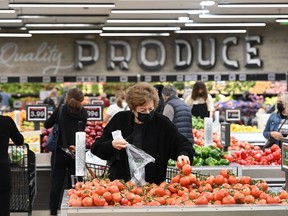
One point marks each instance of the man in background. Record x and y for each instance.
(177, 111)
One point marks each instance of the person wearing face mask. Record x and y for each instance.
(277, 125)
(150, 131)
(200, 102)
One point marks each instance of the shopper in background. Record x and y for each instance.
(73, 118)
(177, 111)
(5, 99)
(103, 97)
(160, 106)
(51, 100)
(278, 119)
(245, 97)
(200, 102)
(148, 130)
(8, 129)
(120, 105)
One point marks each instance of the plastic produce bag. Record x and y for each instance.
(138, 159)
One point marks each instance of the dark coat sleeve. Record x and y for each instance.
(15, 135)
(50, 121)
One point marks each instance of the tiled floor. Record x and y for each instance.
(34, 213)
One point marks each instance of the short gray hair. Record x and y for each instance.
(169, 90)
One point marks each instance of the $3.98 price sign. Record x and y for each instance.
(36, 112)
(95, 112)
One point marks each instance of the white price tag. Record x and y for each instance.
(93, 79)
(242, 77)
(204, 77)
(79, 79)
(59, 79)
(46, 79)
(162, 78)
(148, 78)
(217, 77)
(102, 79)
(232, 77)
(123, 79)
(23, 79)
(180, 78)
(4, 79)
(271, 77)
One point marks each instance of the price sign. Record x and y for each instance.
(17, 104)
(180, 78)
(284, 150)
(232, 115)
(148, 78)
(204, 77)
(97, 102)
(123, 79)
(95, 112)
(23, 79)
(217, 77)
(46, 79)
(271, 77)
(162, 78)
(4, 79)
(242, 77)
(36, 113)
(59, 79)
(232, 77)
(102, 79)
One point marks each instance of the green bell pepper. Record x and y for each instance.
(210, 161)
(171, 162)
(223, 161)
(205, 151)
(200, 162)
(215, 153)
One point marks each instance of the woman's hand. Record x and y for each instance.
(182, 159)
(119, 144)
(276, 135)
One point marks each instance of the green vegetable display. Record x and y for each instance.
(17, 156)
(197, 122)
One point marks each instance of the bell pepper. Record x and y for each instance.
(200, 162)
(171, 162)
(195, 160)
(215, 153)
(223, 161)
(198, 152)
(210, 161)
(205, 151)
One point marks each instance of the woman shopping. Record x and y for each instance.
(146, 129)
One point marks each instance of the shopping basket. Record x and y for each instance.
(23, 171)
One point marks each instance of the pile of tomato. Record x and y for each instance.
(184, 189)
(270, 156)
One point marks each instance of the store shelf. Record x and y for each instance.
(207, 210)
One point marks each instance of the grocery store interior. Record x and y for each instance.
(233, 46)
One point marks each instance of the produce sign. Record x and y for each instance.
(184, 189)
(95, 112)
(232, 115)
(36, 112)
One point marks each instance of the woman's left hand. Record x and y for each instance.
(182, 159)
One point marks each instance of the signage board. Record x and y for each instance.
(95, 112)
(232, 115)
(36, 113)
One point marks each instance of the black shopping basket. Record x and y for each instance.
(23, 170)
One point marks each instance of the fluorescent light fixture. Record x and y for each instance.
(147, 21)
(223, 24)
(62, 5)
(135, 34)
(158, 11)
(231, 16)
(207, 3)
(44, 25)
(183, 18)
(15, 35)
(8, 11)
(209, 31)
(282, 20)
(65, 31)
(159, 28)
(252, 5)
(10, 21)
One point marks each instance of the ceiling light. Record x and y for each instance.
(135, 34)
(209, 31)
(65, 31)
(7, 11)
(147, 21)
(282, 20)
(10, 21)
(223, 24)
(207, 3)
(44, 25)
(183, 18)
(138, 28)
(15, 35)
(158, 11)
(252, 5)
(229, 16)
(63, 5)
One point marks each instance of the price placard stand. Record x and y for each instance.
(94, 112)
(37, 113)
(284, 163)
(232, 115)
(225, 135)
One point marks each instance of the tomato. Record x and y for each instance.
(186, 169)
(208, 195)
(239, 197)
(245, 180)
(176, 178)
(255, 192)
(260, 201)
(245, 190)
(107, 196)
(100, 190)
(201, 200)
(219, 180)
(228, 200)
(193, 194)
(161, 200)
(249, 199)
(210, 180)
(160, 191)
(87, 201)
(232, 180)
(116, 197)
(137, 199)
(283, 194)
(193, 178)
(274, 147)
(71, 191)
(79, 186)
(75, 202)
(224, 173)
(277, 154)
(185, 180)
(153, 203)
(182, 191)
(113, 189)
(119, 184)
(273, 199)
(125, 202)
(262, 185)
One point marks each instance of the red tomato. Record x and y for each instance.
(116, 197)
(201, 200)
(228, 200)
(186, 169)
(107, 196)
(219, 180)
(87, 201)
(274, 147)
(185, 180)
(224, 173)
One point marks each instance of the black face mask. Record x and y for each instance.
(145, 117)
(280, 107)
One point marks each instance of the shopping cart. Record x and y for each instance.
(23, 170)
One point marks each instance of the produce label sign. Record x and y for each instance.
(95, 112)
(36, 112)
(285, 155)
(232, 115)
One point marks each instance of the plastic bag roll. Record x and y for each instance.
(80, 138)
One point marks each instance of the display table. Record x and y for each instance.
(207, 210)
(255, 138)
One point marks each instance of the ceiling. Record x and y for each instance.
(101, 17)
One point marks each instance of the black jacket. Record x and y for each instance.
(69, 124)
(161, 140)
(8, 129)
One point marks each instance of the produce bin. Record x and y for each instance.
(23, 170)
(205, 210)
